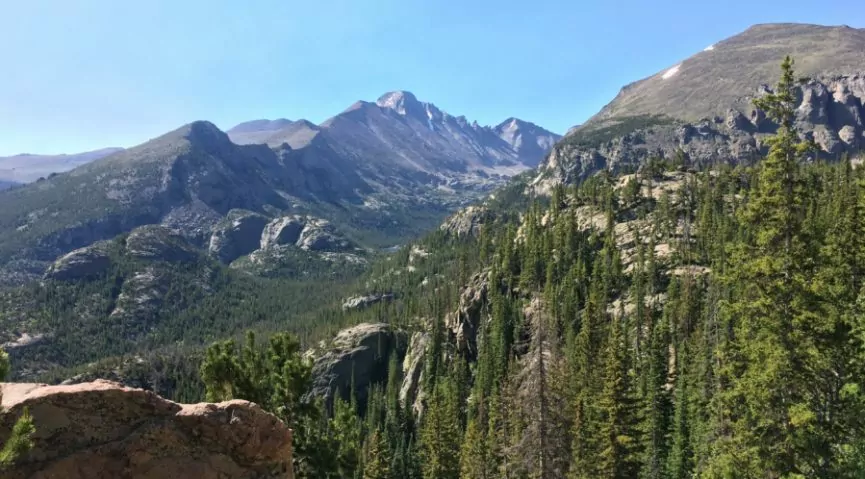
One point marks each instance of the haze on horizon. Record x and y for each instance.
(96, 74)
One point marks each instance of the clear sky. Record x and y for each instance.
(77, 75)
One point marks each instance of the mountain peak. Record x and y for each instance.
(401, 101)
(198, 132)
(203, 130)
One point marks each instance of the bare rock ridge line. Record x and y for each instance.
(369, 126)
(103, 430)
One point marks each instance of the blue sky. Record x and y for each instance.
(77, 75)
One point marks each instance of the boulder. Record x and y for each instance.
(360, 354)
(848, 135)
(103, 430)
(157, 242)
(282, 231)
(87, 262)
(237, 235)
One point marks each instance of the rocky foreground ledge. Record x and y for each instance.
(105, 430)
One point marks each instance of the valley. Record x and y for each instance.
(672, 289)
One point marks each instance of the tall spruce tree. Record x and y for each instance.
(771, 407)
(617, 433)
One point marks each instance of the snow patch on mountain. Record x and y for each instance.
(672, 71)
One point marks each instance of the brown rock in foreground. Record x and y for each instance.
(105, 430)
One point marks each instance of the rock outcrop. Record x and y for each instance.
(141, 296)
(282, 231)
(237, 235)
(102, 430)
(464, 323)
(156, 242)
(466, 222)
(359, 353)
(701, 110)
(86, 262)
(363, 302)
(320, 235)
(410, 392)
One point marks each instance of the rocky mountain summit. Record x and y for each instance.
(401, 138)
(701, 109)
(105, 430)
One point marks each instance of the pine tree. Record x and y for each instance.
(19, 441)
(657, 404)
(346, 430)
(679, 461)
(769, 406)
(440, 433)
(476, 460)
(618, 440)
(377, 464)
(277, 378)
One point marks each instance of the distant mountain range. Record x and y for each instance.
(25, 168)
(399, 136)
(7, 184)
(381, 172)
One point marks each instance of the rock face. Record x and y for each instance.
(282, 231)
(465, 322)
(238, 235)
(410, 393)
(361, 352)
(102, 430)
(86, 262)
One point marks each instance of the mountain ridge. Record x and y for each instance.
(700, 110)
(365, 124)
(701, 86)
